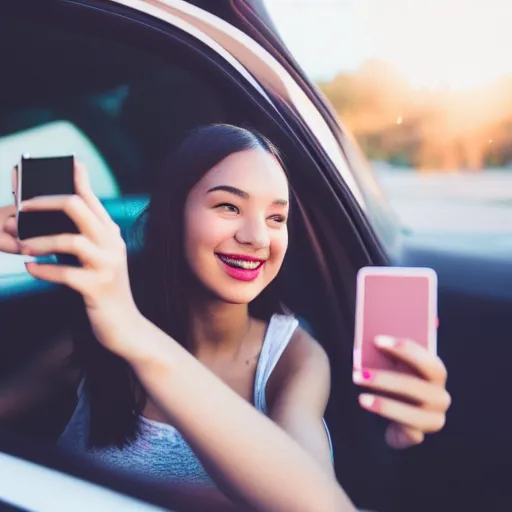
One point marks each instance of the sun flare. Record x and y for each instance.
(456, 44)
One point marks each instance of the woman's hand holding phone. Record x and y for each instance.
(102, 279)
(395, 351)
(420, 400)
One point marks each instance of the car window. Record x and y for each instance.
(56, 138)
(428, 103)
(117, 108)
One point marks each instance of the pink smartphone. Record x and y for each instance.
(397, 302)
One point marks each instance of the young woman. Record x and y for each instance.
(205, 376)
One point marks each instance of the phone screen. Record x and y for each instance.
(395, 302)
(43, 177)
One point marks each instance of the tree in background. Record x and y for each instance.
(429, 129)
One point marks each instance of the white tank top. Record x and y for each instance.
(160, 452)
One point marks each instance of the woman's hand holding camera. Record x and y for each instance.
(102, 279)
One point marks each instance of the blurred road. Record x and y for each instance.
(450, 202)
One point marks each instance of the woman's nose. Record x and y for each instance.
(254, 232)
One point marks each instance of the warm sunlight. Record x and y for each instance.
(455, 43)
(420, 83)
(460, 44)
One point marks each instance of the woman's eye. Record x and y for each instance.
(227, 207)
(278, 218)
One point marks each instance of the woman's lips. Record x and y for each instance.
(241, 274)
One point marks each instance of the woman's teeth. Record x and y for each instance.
(247, 265)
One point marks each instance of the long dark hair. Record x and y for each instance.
(160, 278)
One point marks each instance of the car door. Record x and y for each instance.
(37, 485)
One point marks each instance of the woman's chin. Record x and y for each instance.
(233, 290)
(239, 297)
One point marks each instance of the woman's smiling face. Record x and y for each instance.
(236, 232)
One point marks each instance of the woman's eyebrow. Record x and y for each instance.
(231, 190)
(240, 193)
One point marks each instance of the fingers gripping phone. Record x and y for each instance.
(397, 302)
(42, 177)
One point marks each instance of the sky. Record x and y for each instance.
(459, 43)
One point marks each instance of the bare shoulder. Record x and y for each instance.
(303, 369)
(305, 351)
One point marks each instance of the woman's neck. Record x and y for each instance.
(218, 328)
